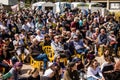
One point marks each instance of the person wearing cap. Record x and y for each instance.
(71, 72)
(15, 70)
(50, 72)
(79, 63)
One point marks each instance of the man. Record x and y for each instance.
(20, 47)
(79, 45)
(102, 38)
(102, 41)
(89, 34)
(39, 37)
(75, 23)
(58, 48)
(37, 53)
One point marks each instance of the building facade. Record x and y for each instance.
(8, 2)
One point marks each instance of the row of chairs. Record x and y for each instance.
(50, 53)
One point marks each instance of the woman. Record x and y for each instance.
(93, 71)
(108, 65)
(34, 74)
(71, 72)
(57, 61)
(15, 70)
(113, 74)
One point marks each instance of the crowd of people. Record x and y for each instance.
(68, 33)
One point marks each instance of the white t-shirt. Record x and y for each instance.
(92, 72)
(48, 72)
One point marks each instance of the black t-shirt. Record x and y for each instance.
(2, 57)
(31, 78)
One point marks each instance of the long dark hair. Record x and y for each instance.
(69, 68)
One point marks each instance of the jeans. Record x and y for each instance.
(42, 57)
(115, 47)
(82, 50)
(92, 78)
(5, 66)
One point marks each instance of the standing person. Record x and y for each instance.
(71, 72)
(93, 71)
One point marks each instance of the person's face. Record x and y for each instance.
(47, 38)
(58, 59)
(97, 30)
(38, 32)
(57, 39)
(74, 67)
(102, 31)
(95, 63)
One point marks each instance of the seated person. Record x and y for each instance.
(59, 48)
(37, 53)
(79, 45)
(93, 71)
(114, 74)
(80, 65)
(71, 72)
(50, 72)
(5, 60)
(34, 74)
(15, 70)
(20, 47)
(108, 65)
(113, 42)
(8, 76)
(57, 60)
(102, 38)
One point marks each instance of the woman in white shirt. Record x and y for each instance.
(93, 71)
